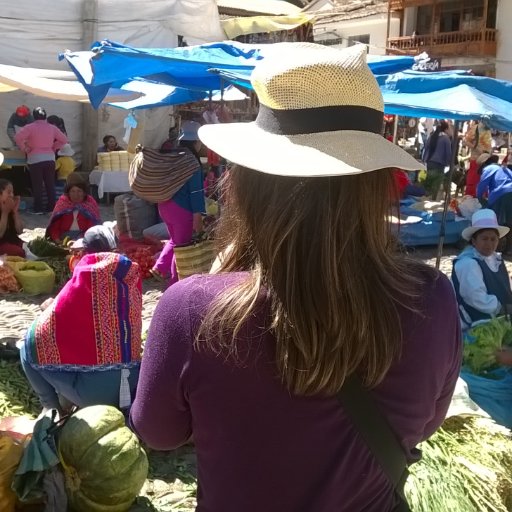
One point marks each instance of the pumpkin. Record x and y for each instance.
(104, 464)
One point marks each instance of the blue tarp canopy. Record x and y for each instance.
(453, 95)
(160, 95)
(109, 64)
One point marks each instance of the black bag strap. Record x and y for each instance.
(377, 434)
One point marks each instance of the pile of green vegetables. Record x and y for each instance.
(54, 255)
(16, 395)
(46, 248)
(483, 342)
(466, 467)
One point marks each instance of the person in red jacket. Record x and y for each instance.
(75, 212)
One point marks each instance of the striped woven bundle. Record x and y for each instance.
(156, 176)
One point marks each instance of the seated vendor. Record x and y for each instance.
(75, 212)
(64, 164)
(109, 144)
(479, 275)
(85, 348)
(10, 221)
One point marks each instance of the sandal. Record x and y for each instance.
(157, 275)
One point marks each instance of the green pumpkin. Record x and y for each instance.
(104, 464)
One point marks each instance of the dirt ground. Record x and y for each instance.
(17, 311)
(171, 482)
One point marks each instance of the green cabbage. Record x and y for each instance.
(483, 342)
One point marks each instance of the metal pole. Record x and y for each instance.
(442, 231)
(89, 115)
(395, 130)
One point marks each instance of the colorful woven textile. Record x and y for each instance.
(89, 208)
(95, 322)
(156, 176)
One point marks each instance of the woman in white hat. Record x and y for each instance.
(312, 298)
(479, 275)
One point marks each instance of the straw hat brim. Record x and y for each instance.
(334, 153)
(471, 230)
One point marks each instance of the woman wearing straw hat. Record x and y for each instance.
(496, 186)
(311, 297)
(479, 276)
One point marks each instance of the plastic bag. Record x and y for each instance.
(493, 394)
(35, 277)
(14, 261)
(468, 205)
(8, 281)
(10, 456)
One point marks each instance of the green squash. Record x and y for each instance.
(104, 463)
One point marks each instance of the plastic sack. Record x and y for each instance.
(10, 456)
(462, 404)
(35, 277)
(468, 205)
(134, 215)
(14, 261)
(8, 281)
(492, 393)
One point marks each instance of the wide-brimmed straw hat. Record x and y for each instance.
(321, 114)
(484, 219)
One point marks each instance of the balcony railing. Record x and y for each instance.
(400, 5)
(464, 42)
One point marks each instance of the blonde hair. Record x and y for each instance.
(322, 253)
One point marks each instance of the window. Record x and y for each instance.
(363, 39)
(331, 42)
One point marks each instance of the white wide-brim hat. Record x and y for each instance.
(321, 114)
(66, 150)
(484, 219)
(1, 158)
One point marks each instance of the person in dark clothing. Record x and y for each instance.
(437, 154)
(109, 144)
(10, 221)
(310, 292)
(18, 120)
(58, 122)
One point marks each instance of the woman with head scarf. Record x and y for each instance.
(85, 348)
(75, 212)
(311, 296)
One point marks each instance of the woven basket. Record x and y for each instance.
(194, 258)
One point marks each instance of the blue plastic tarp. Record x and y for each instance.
(493, 394)
(453, 95)
(160, 95)
(111, 64)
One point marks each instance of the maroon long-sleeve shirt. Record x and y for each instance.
(261, 449)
